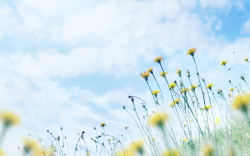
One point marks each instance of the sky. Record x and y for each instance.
(72, 64)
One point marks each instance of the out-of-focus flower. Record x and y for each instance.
(158, 59)
(241, 101)
(178, 71)
(191, 51)
(125, 152)
(163, 73)
(209, 86)
(31, 145)
(223, 63)
(207, 107)
(231, 89)
(2, 152)
(184, 139)
(9, 118)
(208, 150)
(171, 152)
(217, 121)
(246, 59)
(174, 102)
(184, 90)
(137, 146)
(158, 119)
(193, 87)
(102, 124)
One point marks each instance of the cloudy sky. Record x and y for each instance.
(72, 64)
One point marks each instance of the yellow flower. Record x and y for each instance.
(158, 119)
(172, 152)
(87, 153)
(44, 151)
(145, 75)
(102, 124)
(217, 121)
(163, 74)
(31, 145)
(191, 51)
(109, 139)
(178, 71)
(192, 87)
(208, 150)
(137, 146)
(172, 85)
(184, 139)
(125, 152)
(155, 92)
(150, 70)
(246, 59)
(223, 63)
(241, 101)
(184, 90)
(207, 107)
(158, 59)
(231, 89)
(2, 152)
(153, 139)
(9, 118)
(175, 102)
(209, 86)
(191, 120)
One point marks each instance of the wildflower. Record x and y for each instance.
(150, 70)
(223, 63)
(241, 102)
(188, 73)
(231, 89)
(163, 73)
(44, 151)
(31, 145)
(191, 51)
(175, 102)
(178, 71)
(155, 92)
(171, 152)
(209, 86)
(208, 150)
(145, 75)
(219, 91)
(172, 85)
(109, 139)
(87, 153)
(2, 152)
(184, 139)
(191, 120)
(158, 119)
(137, 146)
(9, 118)
(158, 59)
(184, 90)
(125, 152)
(192, 87)
(102, 124)
(207, 107)
(246, 59)
(153, 139)
(217, 121)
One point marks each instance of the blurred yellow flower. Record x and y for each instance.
(207, 107)
(231, 89)
(208, 150)
(184, 139)
(184, 90)
(145, 75)
(172, 85)
(125, 152)
(102, 124)
(44, 151)
(158, 119)
(153, 139)
(163, 74)
(246, 59)
(2, 152)
(87, 153)
(150, 70)
(191, 51)
(31, 145)
(155, 92)
(217, 120)
(223, 63)
(209, 86)
(158, 59)
(9, 118)
(172, 152)
(192, 87)
(174, 102)
(178, 71)
(241, 101)
(137, 146)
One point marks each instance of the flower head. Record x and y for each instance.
(174, 102)
(9, 118)
(231, 89)
(209, 86)
(2, 152)
(184, 90)
(31, 145)
(184, 140)
(150, 70)
(207, 107)
(172, 85)
(163, 73)
(171, 152)
(217, 120)
(137, 146)
(125, 152)
(145, 75)
(246, 59)
(208, 150)
(223, 63)
(178, 71)
(191, 51)
(158, 119)
(155, 92)
(241, 101)
(158, 59)
(192, 87)
(102, 124)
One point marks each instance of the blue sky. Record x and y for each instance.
(73, 63)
